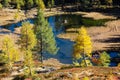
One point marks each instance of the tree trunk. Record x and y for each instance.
(41, 53)
(41, 57)
(84, 60)
(30, 71)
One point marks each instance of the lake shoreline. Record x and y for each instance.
(98, 34)
(104, 38)
(7, 16)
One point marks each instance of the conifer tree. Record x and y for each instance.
(29, 63)
(45, 37)
(27, 42)
(83, 45)
(27, 38)
(10, 52)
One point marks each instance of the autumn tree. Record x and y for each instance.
(45, 37)
(83, 45)
(104, 59)
(29, 63)
(27, 42)
(19, 4)
(40, 4)
(10, 52)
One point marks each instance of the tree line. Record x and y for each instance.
(27, 4)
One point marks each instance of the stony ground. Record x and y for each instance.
(92, 73)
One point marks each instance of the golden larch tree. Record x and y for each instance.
(10, 51)
(83, 45)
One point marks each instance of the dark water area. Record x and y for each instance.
(59, 24)
(75, 21)
(115, 58)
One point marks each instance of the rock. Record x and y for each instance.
(45, 69)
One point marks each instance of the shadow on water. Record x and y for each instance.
(75, 21)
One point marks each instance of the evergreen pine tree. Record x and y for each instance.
(45, 37)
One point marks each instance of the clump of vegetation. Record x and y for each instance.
(104, 59)
(17, 15)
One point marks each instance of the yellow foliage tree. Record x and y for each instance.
(40, 4)
(17, 16)
(10, 52)
(27, 42)
(29, 63)
(83, 46)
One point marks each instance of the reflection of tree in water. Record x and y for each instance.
(75, 21)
